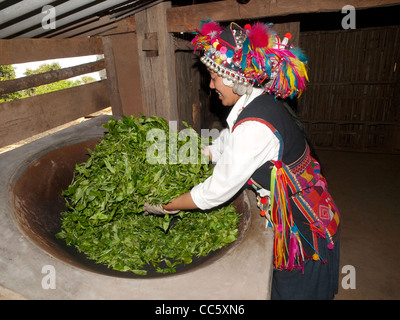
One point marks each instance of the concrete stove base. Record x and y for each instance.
(242, 272)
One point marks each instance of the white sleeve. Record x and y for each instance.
(248, 147)
(217, 146)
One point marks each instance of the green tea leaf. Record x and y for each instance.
(104, 202)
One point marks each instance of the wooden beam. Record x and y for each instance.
(123, 73)
(183, 45)
(36, 80)
(28, 50)
(113, 87)
(178, 18)
(150, 43)
(24, 118)
(126, 62)
(280, 28)
(77, 29)
(157, 68)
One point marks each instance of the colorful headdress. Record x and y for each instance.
(252, 56)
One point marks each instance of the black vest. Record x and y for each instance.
(273, 113)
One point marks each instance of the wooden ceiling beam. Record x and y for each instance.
(178, 18)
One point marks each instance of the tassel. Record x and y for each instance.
(280, 214)
(278, 248)
(296, 256)
(293, 251)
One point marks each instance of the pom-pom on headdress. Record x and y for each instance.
(252, 56)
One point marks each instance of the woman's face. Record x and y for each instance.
(225, 93)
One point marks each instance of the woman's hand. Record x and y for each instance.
(183, 202)
(156, 209)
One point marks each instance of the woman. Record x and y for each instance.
(265, 147)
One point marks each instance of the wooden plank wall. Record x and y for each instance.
(352, 100)
(190, 106)
(24, 118)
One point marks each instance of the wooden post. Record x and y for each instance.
(112, 78)
(123, 73)
(157, 62)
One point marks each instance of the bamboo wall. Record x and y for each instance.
(352, 101)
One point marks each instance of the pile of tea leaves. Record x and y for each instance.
(130, 166)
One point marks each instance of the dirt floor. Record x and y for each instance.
(366, 189)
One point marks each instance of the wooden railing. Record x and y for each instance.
(21, 119)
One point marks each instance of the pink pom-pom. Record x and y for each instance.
(260, 35)
(330, 246)
(211, 28)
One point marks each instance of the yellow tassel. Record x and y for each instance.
(278, 250)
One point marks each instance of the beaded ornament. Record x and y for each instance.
(252, 56)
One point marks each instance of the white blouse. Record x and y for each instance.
(237, 155)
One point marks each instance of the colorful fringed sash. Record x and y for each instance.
(286, 186)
